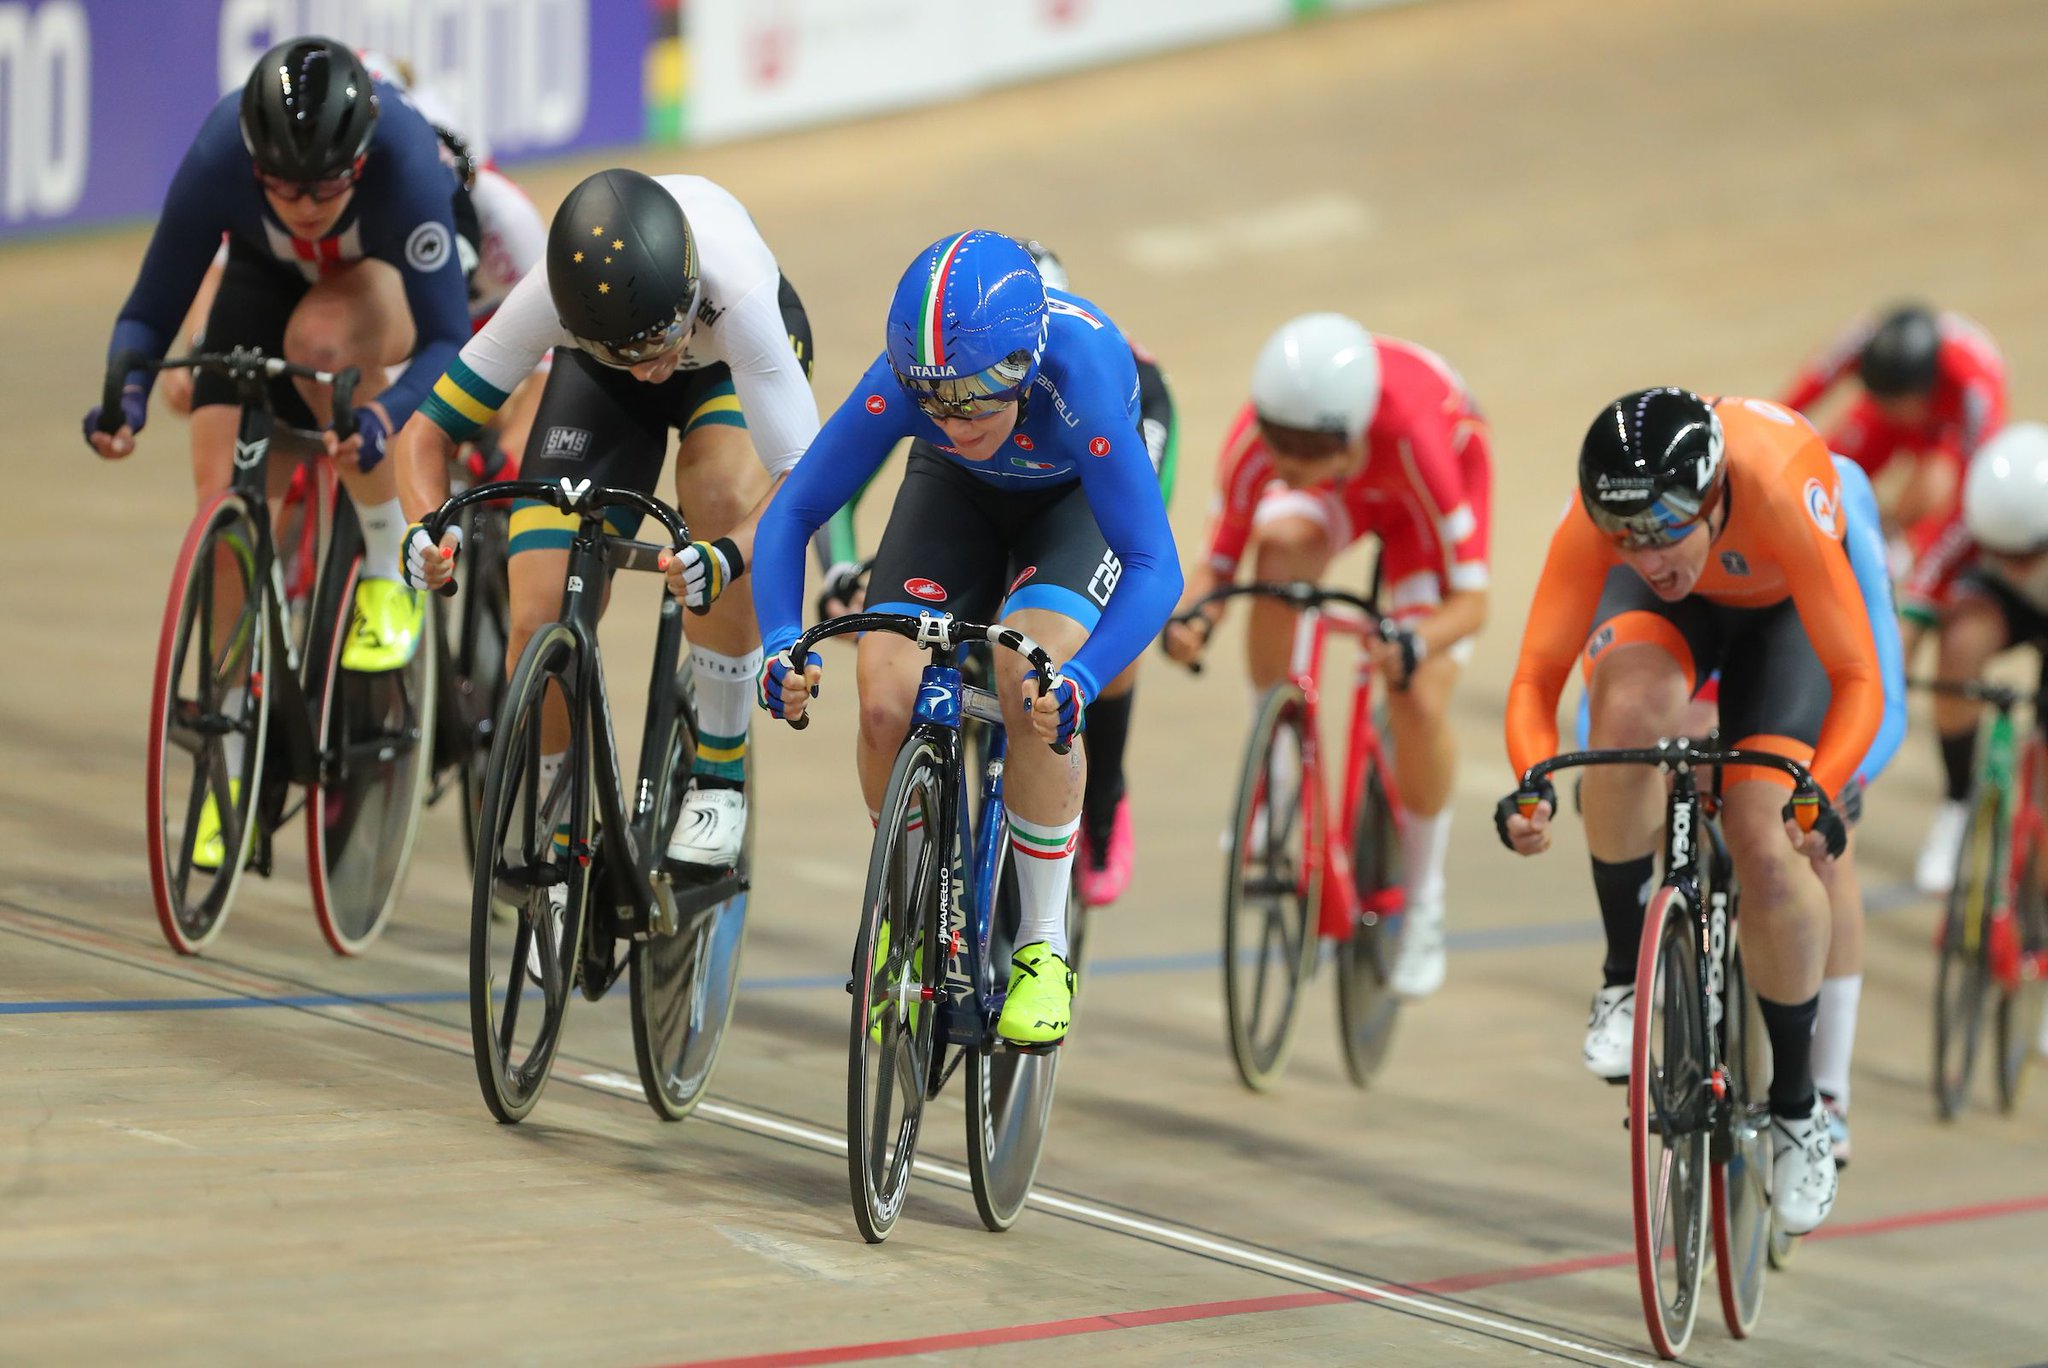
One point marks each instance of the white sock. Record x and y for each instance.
(1044, 859)
(234, 745)
(1423, 845)
(725, 704)
(1834, 1035)
(383, 537)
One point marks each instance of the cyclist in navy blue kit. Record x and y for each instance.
(338, 213)
(1037, 501)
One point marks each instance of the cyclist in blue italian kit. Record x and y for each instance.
(338, 212)
(1037, 501)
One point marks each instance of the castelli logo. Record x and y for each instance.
(1021, 440)
(1098, 446)
(925, 589)
(876, 403)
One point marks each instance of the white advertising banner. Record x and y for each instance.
(756, 65)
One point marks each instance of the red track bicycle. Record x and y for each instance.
(1296, 878)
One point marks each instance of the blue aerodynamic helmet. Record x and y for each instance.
(968, 324)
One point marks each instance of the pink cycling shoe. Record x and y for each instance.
(1103, 876)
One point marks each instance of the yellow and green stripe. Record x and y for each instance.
(462, 401)
(722, 757)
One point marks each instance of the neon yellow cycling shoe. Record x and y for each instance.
(208, 846)
(384, 630)
(1041, 1000)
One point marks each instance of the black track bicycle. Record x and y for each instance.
(570, 888)
(250, 702)
(1699, 1074)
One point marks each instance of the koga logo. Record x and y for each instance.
(566, 442)
(426, 248)
(1681, 835)
(1717, 950)
(1821, 504)
(925, 589)
(250, 454)
(877, 404)
(46, 108)
(1098, 446)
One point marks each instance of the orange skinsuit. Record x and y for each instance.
(1784, 525)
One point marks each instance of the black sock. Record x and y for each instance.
(1623, 891)
(1109, 727)
(1790, 1027)
(715, 781)
(1957, 753)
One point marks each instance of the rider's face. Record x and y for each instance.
(1673, 569)
(976, 439)
(306, 217)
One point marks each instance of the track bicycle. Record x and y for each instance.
(474, 629)
(1699, 1073)
(938, 924)
(570, 873)
(249, 700)
(1294, 878)
(1991, 945)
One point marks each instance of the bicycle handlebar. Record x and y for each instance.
(1302, 594)
(241, 363)
(1675, 754)
(580, 498)
(933, 632)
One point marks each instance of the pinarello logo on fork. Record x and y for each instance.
(928, 590)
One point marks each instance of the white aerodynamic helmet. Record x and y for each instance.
(1319, 373)
(2005, 495)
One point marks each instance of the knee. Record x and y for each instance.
(1291, 546)
(1634, 709)
(324, 332)
(884, 717)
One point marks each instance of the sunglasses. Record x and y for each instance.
(650, 344)
(319, 191)
(971, 396)
(1302, 444)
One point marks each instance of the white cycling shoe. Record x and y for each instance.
(1803, 1174)
(711, 830)
(1934, 873)
(1611, 1032)
(1419, 967)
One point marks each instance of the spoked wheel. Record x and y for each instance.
(376, 761)
(1009, 1092)
(1366, 1007)
(1741, 1170)
(1668, 1123)
(684, 985)
(897, 968)
(2017, 1025)
(530, 880)
(1271, 891)
(1962, 985)
(208, 721)
(482, 633)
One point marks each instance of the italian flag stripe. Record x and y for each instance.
(1044, 847)
(929, 331)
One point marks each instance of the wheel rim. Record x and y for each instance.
(1962, 976)
(1667, 1121)
(207, 697)
(1270, 894)
(892, 1026)
(1366, 1008)
(515, 1019)
(1741, 1178)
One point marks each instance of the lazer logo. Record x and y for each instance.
(1681, 836)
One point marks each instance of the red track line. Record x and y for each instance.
(1296, 1301)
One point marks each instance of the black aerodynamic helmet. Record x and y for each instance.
(1903, 356)
(1651, 467)
(622, 267)
(308, 110)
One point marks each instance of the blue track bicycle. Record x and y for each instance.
(937, 928)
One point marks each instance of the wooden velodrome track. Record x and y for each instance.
(271, 1155)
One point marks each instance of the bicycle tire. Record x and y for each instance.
(375, 737)
(1963, 966)
(1009, 1092)
(893, 1000)
(1259, 868)
(1367, 1007)
(684, 985)
(1741, 1175)
(2016, 1032)
(1667, 1124)
(190, 715)
(512, 1069)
